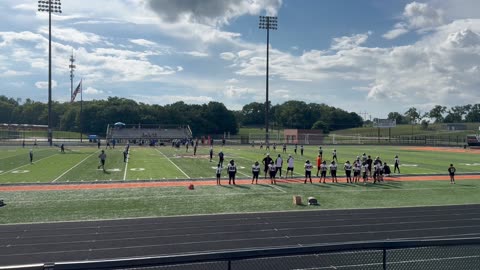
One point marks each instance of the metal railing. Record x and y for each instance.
(393, 255)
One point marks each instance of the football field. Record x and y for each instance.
(69, 186)
(80, 164)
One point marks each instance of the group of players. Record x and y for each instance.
(363, 167)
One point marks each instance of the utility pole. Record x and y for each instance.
(269, 23)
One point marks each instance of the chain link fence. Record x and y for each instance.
(391, 255)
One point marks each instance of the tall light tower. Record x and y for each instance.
(269, 23)
(50, 6)
(72, 69)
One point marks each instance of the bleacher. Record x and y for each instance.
(142, 132)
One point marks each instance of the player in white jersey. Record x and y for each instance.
(323, 171)
(348, 171)
(273, 172)
(357, 168)
(232, 170)
(255, 172)
(279, 165)
(218, 173)
(333, 172)
(365, 172)
(291, 164)
(308, 171)
(334, 155)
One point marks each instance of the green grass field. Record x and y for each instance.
(80, 164)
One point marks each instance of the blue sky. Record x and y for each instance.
(371, 56)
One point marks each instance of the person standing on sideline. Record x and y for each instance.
(333, 172)
(279, 165)
(290, 166)
(99, 144)
(211, 153)
(397, 164)
(273, 172)
(369, 164)
(319, 163)
(348, 171)
(334, 155)
(221, 157)
(125, 155)
(284, 148)
(323, 171)
(320, 151)
(295, 149)
(232, 170)
(301, 150)
(255, 172)
(218, 173)
(308, 171)
(451, 172)
(31, 156)
(365, 172)
(266, 161)
(357, 168)
(62, 148)
(195, 149)
(102, 158)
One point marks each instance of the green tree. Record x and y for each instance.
(437, 113)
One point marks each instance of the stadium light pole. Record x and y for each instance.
(72, 69)
(50, 6)
(268, 23)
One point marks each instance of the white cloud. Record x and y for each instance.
(26, 7)
(422, 15)
(197, 54)
(143, 42)
(394, 33)
(232, 81)
(346, 43)
(92, 91)
(72, 35)
(44, 85)
(12, 73)
(235, 91)
(417, 16)
(228, 56)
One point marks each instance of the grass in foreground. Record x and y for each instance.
(47, 206)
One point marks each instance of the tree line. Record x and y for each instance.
(210, 118)
(439, 114)
(300, 115)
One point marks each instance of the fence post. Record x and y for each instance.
(384, 258)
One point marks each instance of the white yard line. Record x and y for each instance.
(173, 163)
(275, 187)
(73, 167)
(27, 164)
(244, 174)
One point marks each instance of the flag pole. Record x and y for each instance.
(81, 110)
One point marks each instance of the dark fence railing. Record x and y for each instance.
(392, 255)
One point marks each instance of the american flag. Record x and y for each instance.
(77, 90)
